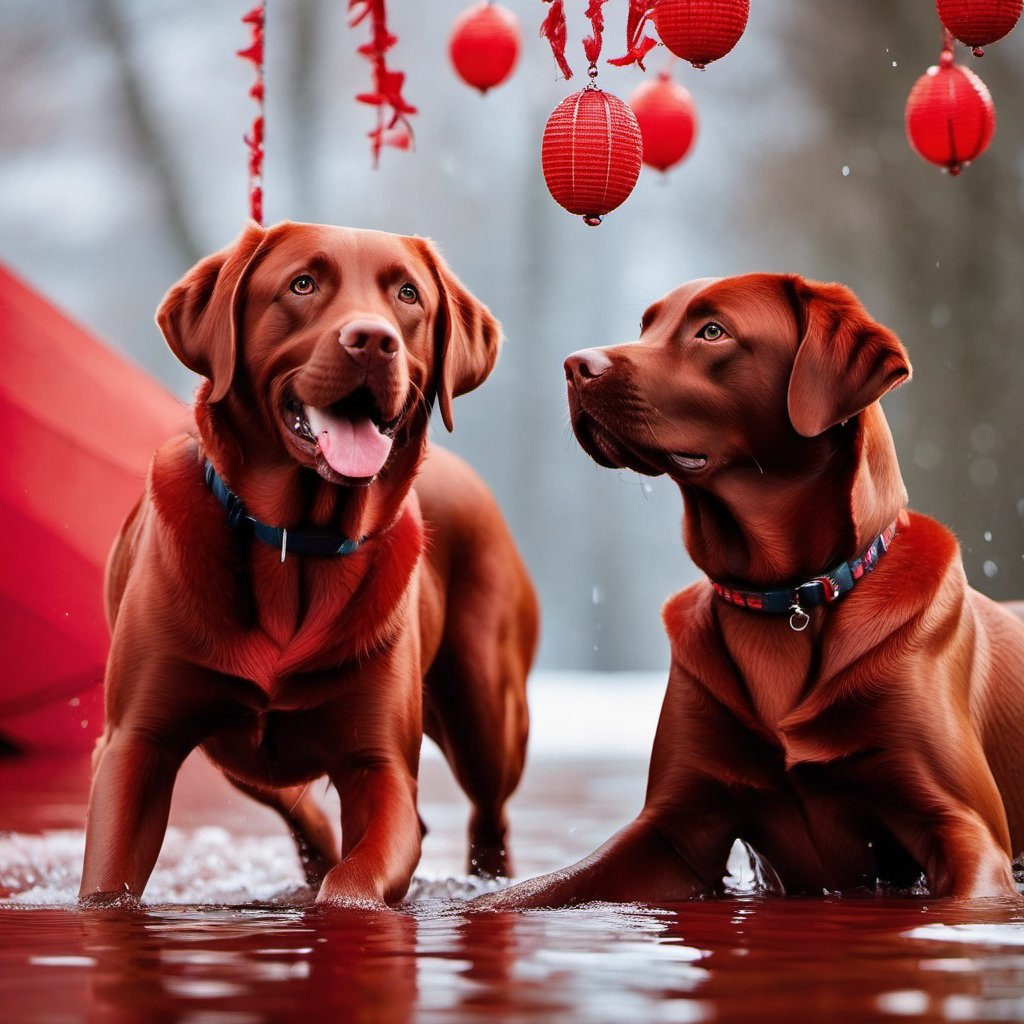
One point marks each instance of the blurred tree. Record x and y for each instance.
(143, 128)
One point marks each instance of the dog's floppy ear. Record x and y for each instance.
(845, 360)
(468, 336)
(197, 316)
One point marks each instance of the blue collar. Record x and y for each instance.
(823, 589)
(286, 541)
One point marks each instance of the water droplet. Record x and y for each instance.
(941, 315)
(595, 595)
(74, 702)
(983, 472)
(983, 437)
(990, 568)
(988, 536)
(894, 64)
(846, 171)
(927, 454)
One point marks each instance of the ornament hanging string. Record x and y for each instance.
(393, 110)
(948, 55)
(256, 18)
(638, 43)
(592, 44)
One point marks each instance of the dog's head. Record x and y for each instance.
(763, 375)
(328, 344)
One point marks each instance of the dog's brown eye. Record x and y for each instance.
(408, 294)
(711, 332)
(303, 285)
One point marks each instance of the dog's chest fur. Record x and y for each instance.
(775, 666)
(240, 611)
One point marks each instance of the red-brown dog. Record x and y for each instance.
(285, 598)
(839, 698)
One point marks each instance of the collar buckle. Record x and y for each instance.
(798, 619)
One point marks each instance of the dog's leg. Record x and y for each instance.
(380, 831)
(128, 809)
(477, 713)
(481, 729)
(947, 812)
(960, 856)
(638, 864)
(307, 822)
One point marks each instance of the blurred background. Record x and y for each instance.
(122, 163)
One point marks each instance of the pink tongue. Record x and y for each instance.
(353, 448)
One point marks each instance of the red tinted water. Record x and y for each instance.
(741, 959)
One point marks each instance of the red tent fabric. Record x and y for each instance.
(79, 426)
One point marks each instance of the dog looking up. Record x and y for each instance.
(838, 697)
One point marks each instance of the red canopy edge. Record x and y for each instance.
(80, 424)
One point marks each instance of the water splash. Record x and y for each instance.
(205, 866)
(208, 866)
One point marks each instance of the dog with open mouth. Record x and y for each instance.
(307, 586)
(839, 698)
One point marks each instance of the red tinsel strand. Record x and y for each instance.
(592, 44)
(638, 45)
(553, 29)
(392, 107)
(254, 140)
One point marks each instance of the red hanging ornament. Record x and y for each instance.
(667, 118)
(701, 31)
(484, 45)
(256, 18)
(950, 116)
(554, 30)
(979, 22)
(393, 110)
(638, 43)
(591, 153)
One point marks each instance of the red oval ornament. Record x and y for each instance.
(591, 153)
(667, 118)
(950, 117)
(484, 45)
(701, 31)
(979, 22)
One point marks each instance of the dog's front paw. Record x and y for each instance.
(114, 899)
(345, 888)
(545, 891)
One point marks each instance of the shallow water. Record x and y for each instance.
(228, 933)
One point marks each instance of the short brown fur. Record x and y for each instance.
(286, 671)
(881, 743)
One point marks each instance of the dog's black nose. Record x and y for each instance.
(586, 364)
(366, 340)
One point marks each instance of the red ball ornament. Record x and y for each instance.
(979, 22)
(591, 153)
(701, 31)
(484, 45)
(667, 118)
(950, 116)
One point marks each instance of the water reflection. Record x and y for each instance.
(251, 964)
(756, 958)
(229, 936)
